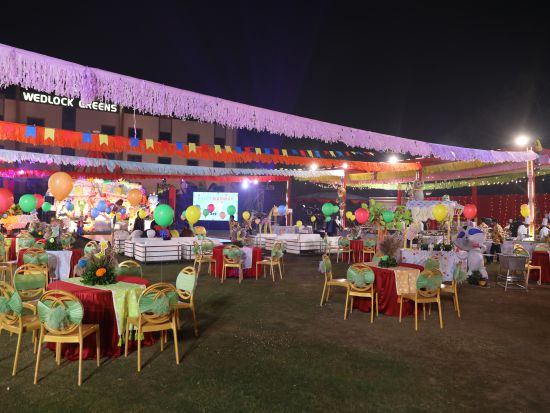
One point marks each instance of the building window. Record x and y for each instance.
(109, 130)
(219, 141)
(165, 136)
(35, 150)
(68, 151)
(193, 138)
(138, 133)
(35, 121)
(164, 160)
(68, 118)
(219, 164)
(134, 158)
(192, 162)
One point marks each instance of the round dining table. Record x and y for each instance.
(252, 256)
(98, 309)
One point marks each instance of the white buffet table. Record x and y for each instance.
(157, 249)
(297, 243)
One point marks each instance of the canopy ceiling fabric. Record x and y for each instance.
(50, 75)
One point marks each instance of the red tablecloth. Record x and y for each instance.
(387, 295)
(541, 258)
(98, 309)
(234, 272)
(75, 257)
(356, 246)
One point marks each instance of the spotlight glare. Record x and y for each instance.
(393, 159)
(314, 167)
(345, 165)
(522, 140)
(255, 182)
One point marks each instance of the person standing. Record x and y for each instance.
(544, 231)
(233, 229)
(498, 239)
(523, 230)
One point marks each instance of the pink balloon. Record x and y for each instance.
(361, 215)
(222, 215)
(470, 211)
(210, 208)
(39, 200)
(6, 200)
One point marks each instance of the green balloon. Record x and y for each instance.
(46, 206)
(231, 210)
(335, 209)
(164, 215)
(387, 216)
(27, 202)
(327, 218)
(328, 209)
(205, 212)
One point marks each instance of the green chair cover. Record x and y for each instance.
(343, 242)
(13, 304)
(233, 254)
(186, 282)
(37, 259)
(360, 277)
(369, 243)
(428, 282)
(137, 271)
(160, 305)
(23, 282)
(2, 252)
(89, 250)
(59, 317)
(327, 264)
(25, 242)
(277, 252)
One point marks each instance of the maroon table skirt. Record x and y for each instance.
(540, 258)
(356, 246)
(388, 301)
(234, 272)
(98, 309)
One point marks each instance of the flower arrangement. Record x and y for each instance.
(389, 246)
(52, 244)
(99, 269)
(387, 262)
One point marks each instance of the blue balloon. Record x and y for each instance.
(108, 210)
(101, 205)
(82, 263)
(282, 209)
(69, 206)
(122, 211)
(94, 213)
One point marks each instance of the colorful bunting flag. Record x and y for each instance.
(192, 147)
(30, 131)
(49, 134)
(179, 146)
(149, 144)
(103, 139)
(284, 152)
(228, 149)
(86, 137)
(134, 142)
(310, 153)
(258, 151)
(217, 148)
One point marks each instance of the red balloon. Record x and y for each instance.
(362, 215)
(6, 200)
(39, 200)
(210, 208)
(470, 211)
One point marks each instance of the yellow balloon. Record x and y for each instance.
(299, 223)
(246, 215)
(349, 214)
(524, 210)
(352, 218)
(193, 214)
(439, 212)
(313, 218)
(142, 213)
(60, 185)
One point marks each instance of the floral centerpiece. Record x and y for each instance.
(53, 244)
(99, 269)
(389, 247)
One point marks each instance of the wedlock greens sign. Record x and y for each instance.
(37, 97)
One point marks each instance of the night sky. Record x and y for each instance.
(456, 74)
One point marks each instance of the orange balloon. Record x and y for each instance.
(134, 197)
(60, 185)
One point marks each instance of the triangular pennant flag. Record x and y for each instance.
(103, 139)
(192, 147)
(310, 153)
(258, 151)
(149, 144)
(339, 153)
(333, 154)
(49, 133)
(134, 142)
(86, 137)
(317, 154)
(302, 152)
(179, 146)
(294, 152)
(284, 152)
(238, 149)
(228, 149)
(217, 148)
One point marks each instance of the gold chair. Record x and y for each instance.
(231, 260)
(91, 247)
(273, 261)
(13, 320)
(528, 268)
(157, 312)
(37, 256)
(30, 281)
(5, 260)
(452, 288)
(204, 255)
(371, 250)
(41, 244)
(367, 291)
(332, 282)
(186, 283)
(68, 330)
(129, 266)
(344, 247)
(425, 294)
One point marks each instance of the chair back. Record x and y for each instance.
(4, 251)
(30, 281)
(157, 303)
(361, 277)
(41, 244)
(91, 247)
(60, 312)
(428, 283)
(343, 242)
(186, 283)
(327, 265)
(277, 251)
(11, 305)
(35, 256)
(204, 247)
(232, 255)
(129, 267)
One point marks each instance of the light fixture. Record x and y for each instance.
(522, 140)
(255, 181)
(345, 165)
(246, 183)
(314, 167)
(393, 159)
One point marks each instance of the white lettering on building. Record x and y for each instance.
(67, 102)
